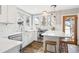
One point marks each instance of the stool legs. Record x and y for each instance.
(63, 47)
(55, 48)
(46, 48)
(66, 48)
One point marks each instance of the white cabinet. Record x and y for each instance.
(3, 14)
(28, 37)
(8, 13)
(12, 13)
(34, 36)
(8, 18)
(12, 18)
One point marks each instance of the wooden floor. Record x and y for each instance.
(36, 47)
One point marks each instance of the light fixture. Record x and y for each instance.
(45, 13)
(53, 9)
(20, 20)
(52, 13)
(53, 17)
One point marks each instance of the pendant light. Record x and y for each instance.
(53, 17)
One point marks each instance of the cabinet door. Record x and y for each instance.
(8, 12)
(30, 35)
(27, 38)
(24, 39)
(12, 13)
(70, 27)
(34, 35)
(3, 15)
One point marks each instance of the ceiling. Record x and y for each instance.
(35, 9)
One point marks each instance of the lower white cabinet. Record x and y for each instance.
(25, 37)
(28, 37)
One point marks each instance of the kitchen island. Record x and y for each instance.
(9, 46)
(54, 36)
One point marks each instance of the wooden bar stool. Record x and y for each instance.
(50, 43)
(63, 46)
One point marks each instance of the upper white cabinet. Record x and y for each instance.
(12, 13)
(8, 14)
(3, 14)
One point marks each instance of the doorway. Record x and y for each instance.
(70, 27)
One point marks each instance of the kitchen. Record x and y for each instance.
(23, 25)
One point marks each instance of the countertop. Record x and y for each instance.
(6, 44)
(55, 34)
(5, 35)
